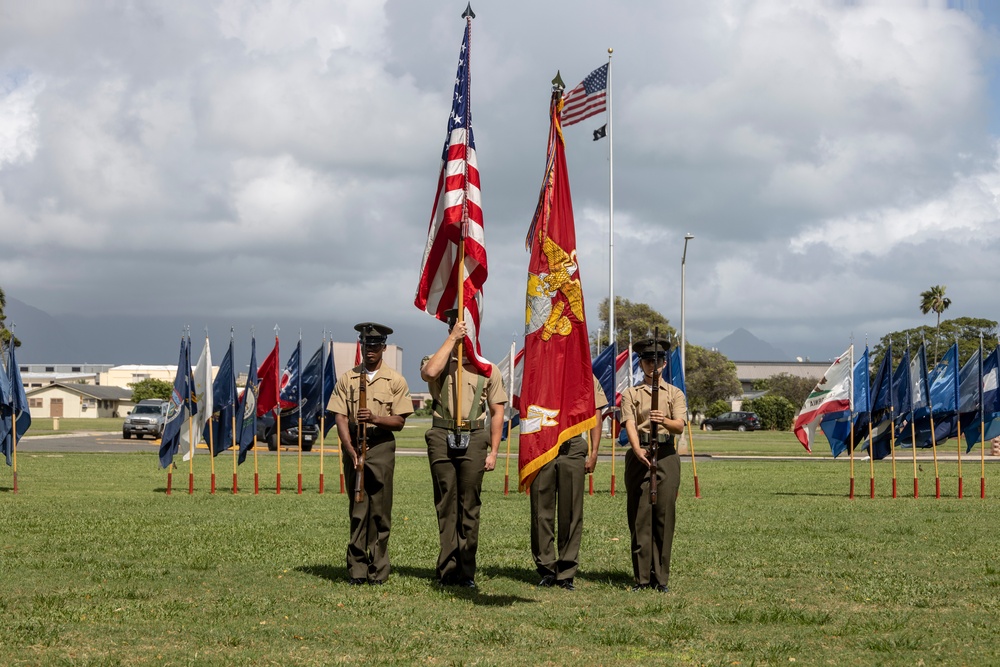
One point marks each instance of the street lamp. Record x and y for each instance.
(687, 237)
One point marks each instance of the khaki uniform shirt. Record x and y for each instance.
(493, 391)
(637, 402)
(387, 394)
(600, 400)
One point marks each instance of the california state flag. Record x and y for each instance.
(832, 394)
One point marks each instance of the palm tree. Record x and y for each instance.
(935, 300)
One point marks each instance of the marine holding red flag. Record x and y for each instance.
(557, 392)
(455, 253)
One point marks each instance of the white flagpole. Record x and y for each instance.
(611, 222)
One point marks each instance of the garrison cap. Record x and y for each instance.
(452, 315)
(372, 332)
(652, 348)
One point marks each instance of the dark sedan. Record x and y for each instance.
(289, 432)
(734, 421)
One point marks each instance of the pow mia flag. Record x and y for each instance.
(601, 132)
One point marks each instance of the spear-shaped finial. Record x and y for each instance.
(468, 13)
(557, 82)
(276, 329)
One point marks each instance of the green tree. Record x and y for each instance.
(710, 377)
(151, 388)
(935, 300)
(717, 408)
(639, 318)
(965, 330)
(792, 388)
(5, 333)
(776, 412)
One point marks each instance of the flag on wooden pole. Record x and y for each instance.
(454, 260)
(557, 391)
(831, 394)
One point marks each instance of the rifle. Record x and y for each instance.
(362, 429)
(654, 427)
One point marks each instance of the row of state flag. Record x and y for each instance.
(900, 405)
(215, 411)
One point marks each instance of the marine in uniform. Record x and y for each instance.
(460, 453)
(558, 490)
(652, 527)
(388, 403)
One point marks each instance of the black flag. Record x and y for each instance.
(601, 132)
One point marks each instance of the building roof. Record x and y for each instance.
(89, 390)
(748, 371)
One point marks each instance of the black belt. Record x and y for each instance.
(665, 443)
(450, 425)
(375, 435)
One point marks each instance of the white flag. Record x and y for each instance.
(202, 398)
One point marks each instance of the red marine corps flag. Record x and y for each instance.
(557, 388)
(453, 269)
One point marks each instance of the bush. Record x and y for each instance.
(151, 388)
(776, 412)
(717, 408)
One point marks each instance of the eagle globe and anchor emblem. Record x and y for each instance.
(548, 313)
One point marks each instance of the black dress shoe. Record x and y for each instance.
(663, 588)
(358, 581)
(566, 584)
(547, 581)
(377, 582)
(447, 581)
(640, 587)
(466, 583)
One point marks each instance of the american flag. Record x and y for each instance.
(457, 205)
(587, 99)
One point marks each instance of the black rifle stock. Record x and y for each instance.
(362, 428)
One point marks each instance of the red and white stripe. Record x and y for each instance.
(832, 394)
(457, 202)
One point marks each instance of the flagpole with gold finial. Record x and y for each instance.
(236, 404)
(301, 368)
(190, 417)
(322, 408)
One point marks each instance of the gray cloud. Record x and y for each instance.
(276, 161)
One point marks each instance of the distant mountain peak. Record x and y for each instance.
(741, 345)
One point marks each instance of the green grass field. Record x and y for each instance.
(774, 565)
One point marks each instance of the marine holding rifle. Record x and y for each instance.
(461, 448)
(370, 402)
(651, 520)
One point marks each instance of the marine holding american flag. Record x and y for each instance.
(461, 447)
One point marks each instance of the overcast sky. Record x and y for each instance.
(278, 159)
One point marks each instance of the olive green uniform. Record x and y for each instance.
(457, 474)
(387, 394)
(560, 484)
(651, 543)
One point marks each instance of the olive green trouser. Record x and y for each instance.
(558, 489)
(371, 519)
(652, 528)
(457, 475)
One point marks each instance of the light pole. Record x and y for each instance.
(687, 237)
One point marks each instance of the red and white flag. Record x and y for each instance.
(832, 394)
(587, 99)
(456, 226)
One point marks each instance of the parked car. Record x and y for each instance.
(734, 421)
(289, 432)
(146, 418)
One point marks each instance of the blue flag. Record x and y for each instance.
(991, 396)
(604, 370)
(973, 425)
(836, 426)
(290, 385)
(179, 408)
(19, 404)
(677, 370)
(970, 379)
(317, 385)
(6, 411)
(246, 413)
(223, 405)
(920, 406)
(883, 401)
